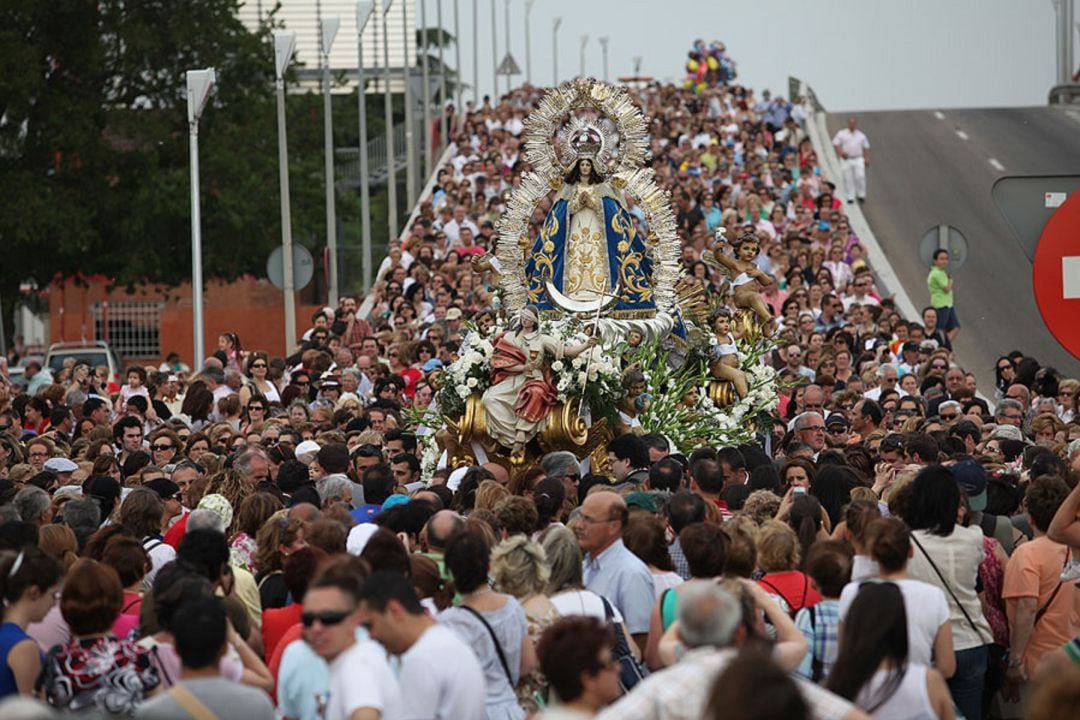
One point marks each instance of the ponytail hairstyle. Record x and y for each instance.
(25, 569)
(59, 542)
(875, 629)
(805, 519)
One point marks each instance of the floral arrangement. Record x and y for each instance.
(601, 377)
(680, 407)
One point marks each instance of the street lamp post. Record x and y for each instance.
(555, 51)
(584, 44)
(406, 76)
(284, 47)
(327, 32)
(507, 19)
(603, 50)
(457, 60)
(443, 140)
(391, 165)
(528, 43)
(494, 58)
(363, 13)
(199, 85)
(476, 52)
(425, 136)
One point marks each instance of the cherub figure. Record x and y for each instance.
(747, 283)
(725, 361)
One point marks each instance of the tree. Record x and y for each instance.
(94, 164)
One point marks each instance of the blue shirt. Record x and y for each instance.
(10, 636)
(366, 513)
(620, 576)
(821, 636)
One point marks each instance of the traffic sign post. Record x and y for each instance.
(1055, 275)
(944, 237)
(303, 267)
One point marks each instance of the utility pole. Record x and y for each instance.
(507, 18)
(457, 59)
(363, 13)
(328, 28)
(584, 44)
(199, 85)
(555, 51)
(603, 49)
(476, 53)
(406, 75)
(494, 58)
(284, 47)
(528, 42)
(443, 93)
(391, 163)
(425, 136)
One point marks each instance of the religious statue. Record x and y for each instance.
(522, 394)
(725, 360)
(588, 247)
(748, 277)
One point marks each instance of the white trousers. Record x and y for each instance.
(854, 170)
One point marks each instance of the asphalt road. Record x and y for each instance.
(930, 167)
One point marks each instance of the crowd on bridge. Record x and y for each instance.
(252, 536)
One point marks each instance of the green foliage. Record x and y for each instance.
(94, 159)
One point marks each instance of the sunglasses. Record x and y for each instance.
(161, 448)
(257, 365)
(256, 407)
(949, 417)
(328, 619)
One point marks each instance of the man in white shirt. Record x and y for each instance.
(443, 676)
(887, 376)
(853, 147)
(453, 228)
(362, 685)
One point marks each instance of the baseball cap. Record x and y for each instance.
(432, 364)
(971, 477)
(836, 419)
(330, 383)
(929, 345)
(306, 451)
(1008, 432)
(60, 465)
(453, 314)
(164, 488)
(642, 501)
(910, 345)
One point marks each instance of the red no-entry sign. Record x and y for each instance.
(1055, 274)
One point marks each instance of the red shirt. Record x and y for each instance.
(793, 586)
(296, 632)
(275, 621)
(176, 533)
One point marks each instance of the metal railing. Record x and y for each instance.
(347, 160)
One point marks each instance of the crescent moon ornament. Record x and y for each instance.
(603, 302)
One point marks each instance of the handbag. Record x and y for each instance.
(630, 671)
(495, 640)
(948, 588)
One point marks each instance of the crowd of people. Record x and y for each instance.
(258, 535)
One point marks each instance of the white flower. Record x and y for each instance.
(581, 378)
(577, 362)
(557, 365)
(463, 392)
(472, 382)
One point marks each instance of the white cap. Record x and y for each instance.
(359, 536)
(60, 465)
(306, 451)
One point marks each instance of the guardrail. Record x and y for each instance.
(1067, 94)
(347, 160)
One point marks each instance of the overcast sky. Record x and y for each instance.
(857, 54)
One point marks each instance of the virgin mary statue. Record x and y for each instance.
(588, 247)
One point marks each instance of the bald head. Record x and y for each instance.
(498, 471)
(442, 526)
(603, 516)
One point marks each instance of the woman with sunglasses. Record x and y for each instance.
(164, 446)
(1004, 376)
(257, 383)
(255, 415)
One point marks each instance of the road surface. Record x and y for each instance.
(930, 167)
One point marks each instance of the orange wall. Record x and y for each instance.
(251, 307)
